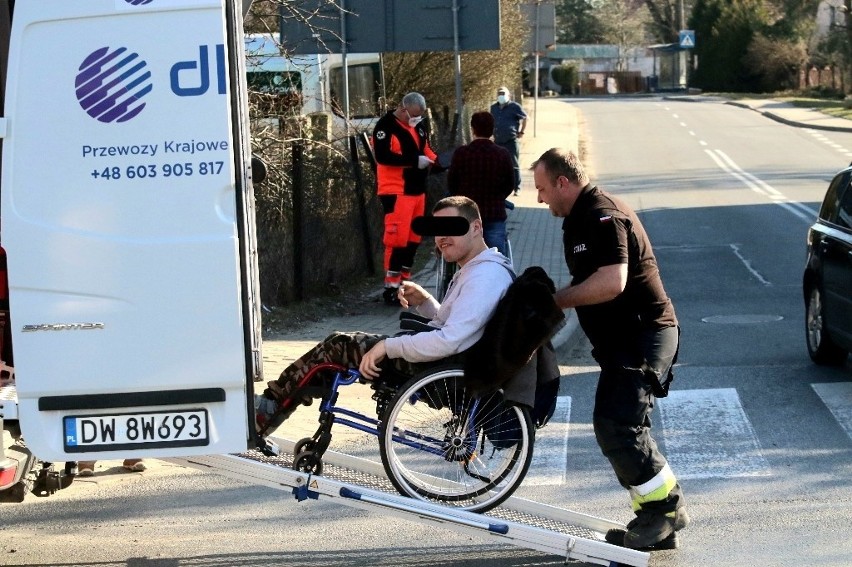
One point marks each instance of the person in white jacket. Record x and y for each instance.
(483, 277)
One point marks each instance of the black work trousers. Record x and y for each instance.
(623, 404)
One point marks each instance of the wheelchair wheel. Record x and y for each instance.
(438, 444)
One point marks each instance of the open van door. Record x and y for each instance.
(128, 223)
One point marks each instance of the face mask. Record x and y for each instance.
(501, 99)
(414, 120)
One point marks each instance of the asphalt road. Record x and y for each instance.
(760, 437)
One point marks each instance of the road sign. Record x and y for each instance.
(687, 39)
(375, 26)
(544, 15)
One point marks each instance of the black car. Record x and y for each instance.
(827, 282)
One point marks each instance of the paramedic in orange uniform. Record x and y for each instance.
(403, 157)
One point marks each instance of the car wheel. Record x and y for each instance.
(820, 346)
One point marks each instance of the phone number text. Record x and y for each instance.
(185, 169)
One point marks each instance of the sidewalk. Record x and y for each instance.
(783, 112)
(536, 238)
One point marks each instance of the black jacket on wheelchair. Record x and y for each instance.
(514, 352)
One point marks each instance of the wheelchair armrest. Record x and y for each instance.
(414, 322)
(405, 315)
(416, 326)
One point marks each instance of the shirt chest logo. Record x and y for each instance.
(580, 248)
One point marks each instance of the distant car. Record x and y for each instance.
(827, 282)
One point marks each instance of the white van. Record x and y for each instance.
(307, 84)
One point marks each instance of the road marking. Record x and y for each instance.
(822, 138)
(550, 452)
(747, 264)
(761, 187)
(708, 435)
(837, 397)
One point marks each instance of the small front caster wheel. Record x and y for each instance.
(308, 462)
(303, 445)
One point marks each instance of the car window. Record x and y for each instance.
(828, 211)
(844, 211)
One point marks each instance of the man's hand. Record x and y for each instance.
(423, 162)
(411, 295)
(369, 367)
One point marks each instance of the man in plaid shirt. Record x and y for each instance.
(483, 171)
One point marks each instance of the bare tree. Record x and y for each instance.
(483, 72)
(625, 26)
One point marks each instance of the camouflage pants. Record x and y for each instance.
(346, 349)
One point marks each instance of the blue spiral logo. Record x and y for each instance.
(138, 2)
(111, 84)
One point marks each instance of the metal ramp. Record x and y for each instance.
(362, 484)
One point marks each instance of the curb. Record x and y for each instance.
(771, 115)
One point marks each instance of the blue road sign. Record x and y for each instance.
(687, 39)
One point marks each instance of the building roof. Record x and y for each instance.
(581, 51)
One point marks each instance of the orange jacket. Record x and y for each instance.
(397, 148)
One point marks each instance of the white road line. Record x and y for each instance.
(747, 264)
(761, 187)
(837, 397)
(708, 435)
(821, 138)
(550, 453)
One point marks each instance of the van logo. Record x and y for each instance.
(62, 327)
(111, 83)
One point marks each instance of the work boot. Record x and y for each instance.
(652, 529)
(616, 537)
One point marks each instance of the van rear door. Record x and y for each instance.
(128, 226)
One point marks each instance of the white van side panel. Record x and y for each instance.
(119, 222)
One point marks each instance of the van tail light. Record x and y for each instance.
(7, 475)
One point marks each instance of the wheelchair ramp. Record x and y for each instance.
(362, 484)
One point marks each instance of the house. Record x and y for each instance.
(607, 69)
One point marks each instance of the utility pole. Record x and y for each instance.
(345, 67)
(457, 63)
(535, 47)
(682, 54)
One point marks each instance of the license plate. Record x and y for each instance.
(149, 430)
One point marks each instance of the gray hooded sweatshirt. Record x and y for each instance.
(460, 320)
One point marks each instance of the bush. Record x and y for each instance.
(567, 77)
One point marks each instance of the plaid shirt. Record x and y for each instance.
(483, 171)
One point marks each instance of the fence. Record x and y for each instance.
(319, 221)
(611, 82)
(828, 77)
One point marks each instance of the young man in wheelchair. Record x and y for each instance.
(456, 324)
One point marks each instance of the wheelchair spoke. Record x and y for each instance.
(439, 444)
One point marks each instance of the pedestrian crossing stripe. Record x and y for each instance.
(708, 435)
(705, 434)
(550, 452)
(837, 397)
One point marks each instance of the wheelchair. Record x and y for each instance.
(437, 441)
